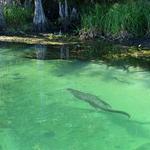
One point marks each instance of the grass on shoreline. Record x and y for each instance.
(130, 18)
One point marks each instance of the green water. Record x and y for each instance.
(38, 113)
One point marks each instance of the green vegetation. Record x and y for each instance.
(18, 17)
(111, 18)
(132, 18)
(107, 19)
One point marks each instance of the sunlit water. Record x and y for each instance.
(38, 113)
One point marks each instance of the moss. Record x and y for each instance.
(44, 39)
(143, 54)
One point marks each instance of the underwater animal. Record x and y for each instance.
(95, 102)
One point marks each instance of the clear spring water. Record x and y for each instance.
(38, 113)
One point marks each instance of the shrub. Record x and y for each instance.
(17, 16)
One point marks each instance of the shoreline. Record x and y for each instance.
(128, 49)
(43, 39)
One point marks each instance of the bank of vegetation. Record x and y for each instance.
(125, 19)
(109, 19)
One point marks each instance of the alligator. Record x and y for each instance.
(95, 101)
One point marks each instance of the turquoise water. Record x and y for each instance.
(38, 113)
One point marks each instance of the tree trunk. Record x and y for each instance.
(27, 3)
(64, 15)
(8, 2)
(39, 20)
(66, 9)
(2, 19)
(61, 14)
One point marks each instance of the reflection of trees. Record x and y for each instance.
(64, 52)
(43, 52)
(40, 51)
(86, 52)
(69, 67)
(127, 63)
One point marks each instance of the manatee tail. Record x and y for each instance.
(117, 111)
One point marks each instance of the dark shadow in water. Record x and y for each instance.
(112, 114)
(121, 80)
(128, 62)
(113, 75)
(82, 52)
(94, 51)
(133, 127)
(17, 76)
(71, 68)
